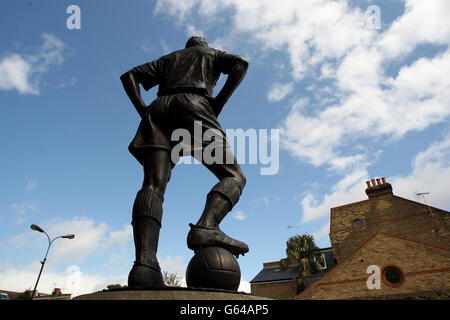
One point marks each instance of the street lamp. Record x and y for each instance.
(37, 228)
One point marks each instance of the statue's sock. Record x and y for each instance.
(146, 236)
(216, 208)
(147, 214)
(220, 200)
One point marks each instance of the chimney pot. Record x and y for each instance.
(368, 184)
(379, 189)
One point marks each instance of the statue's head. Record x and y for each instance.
(196, 41)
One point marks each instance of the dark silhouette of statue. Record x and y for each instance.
(186, 79)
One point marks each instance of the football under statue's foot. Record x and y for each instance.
(142, 275)
(201, 237)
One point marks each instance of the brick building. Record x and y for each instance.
(405, 242)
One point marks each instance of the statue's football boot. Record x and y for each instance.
(201, 237)
(142, 275)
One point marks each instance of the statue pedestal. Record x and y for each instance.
(169, 293)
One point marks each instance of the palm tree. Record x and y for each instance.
(302, 251)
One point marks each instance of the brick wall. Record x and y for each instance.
(390, 214)
(285, 290)
(425, 269)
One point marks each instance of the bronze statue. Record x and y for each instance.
(186, 79)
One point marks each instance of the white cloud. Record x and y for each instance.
(77, 283)
(31, 185)
(244, 286)
(366, 88)
(15, 73)
(90, 236)
(423, 22)
(261, 201)
(164, 46)
(22, 72)
(330, 40)
(174, 7)
(417, 98)
(264, 201)
(430, 173)
(69, 83)
(239, 215)
(279, 91)
(174, 265)
(347, 190)
(147, 47)
(23, 207)
(286, 24)
(120, 236)
(322, 233)
(193, 31)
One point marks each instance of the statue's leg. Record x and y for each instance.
(147, 215)
(219, 202)
(221, 199)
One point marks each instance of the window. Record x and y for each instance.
(393, 276)
(321, 261)
(358, 223)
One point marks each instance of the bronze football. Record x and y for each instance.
(214, 268)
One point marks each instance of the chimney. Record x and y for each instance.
(378, 188)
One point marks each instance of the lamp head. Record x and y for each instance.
(36, 228)
(68, 236)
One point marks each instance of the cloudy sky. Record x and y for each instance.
(356, 89)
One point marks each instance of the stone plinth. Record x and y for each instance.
(170, 293)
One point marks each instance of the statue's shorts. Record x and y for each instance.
(183, 121)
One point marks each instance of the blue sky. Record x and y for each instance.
(351, 102)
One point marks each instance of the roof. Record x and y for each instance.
(309, 280)
(276, 274)
(65, 296)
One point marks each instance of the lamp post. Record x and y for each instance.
(37, 228)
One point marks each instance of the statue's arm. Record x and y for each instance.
(236, 68)
(131, 86)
